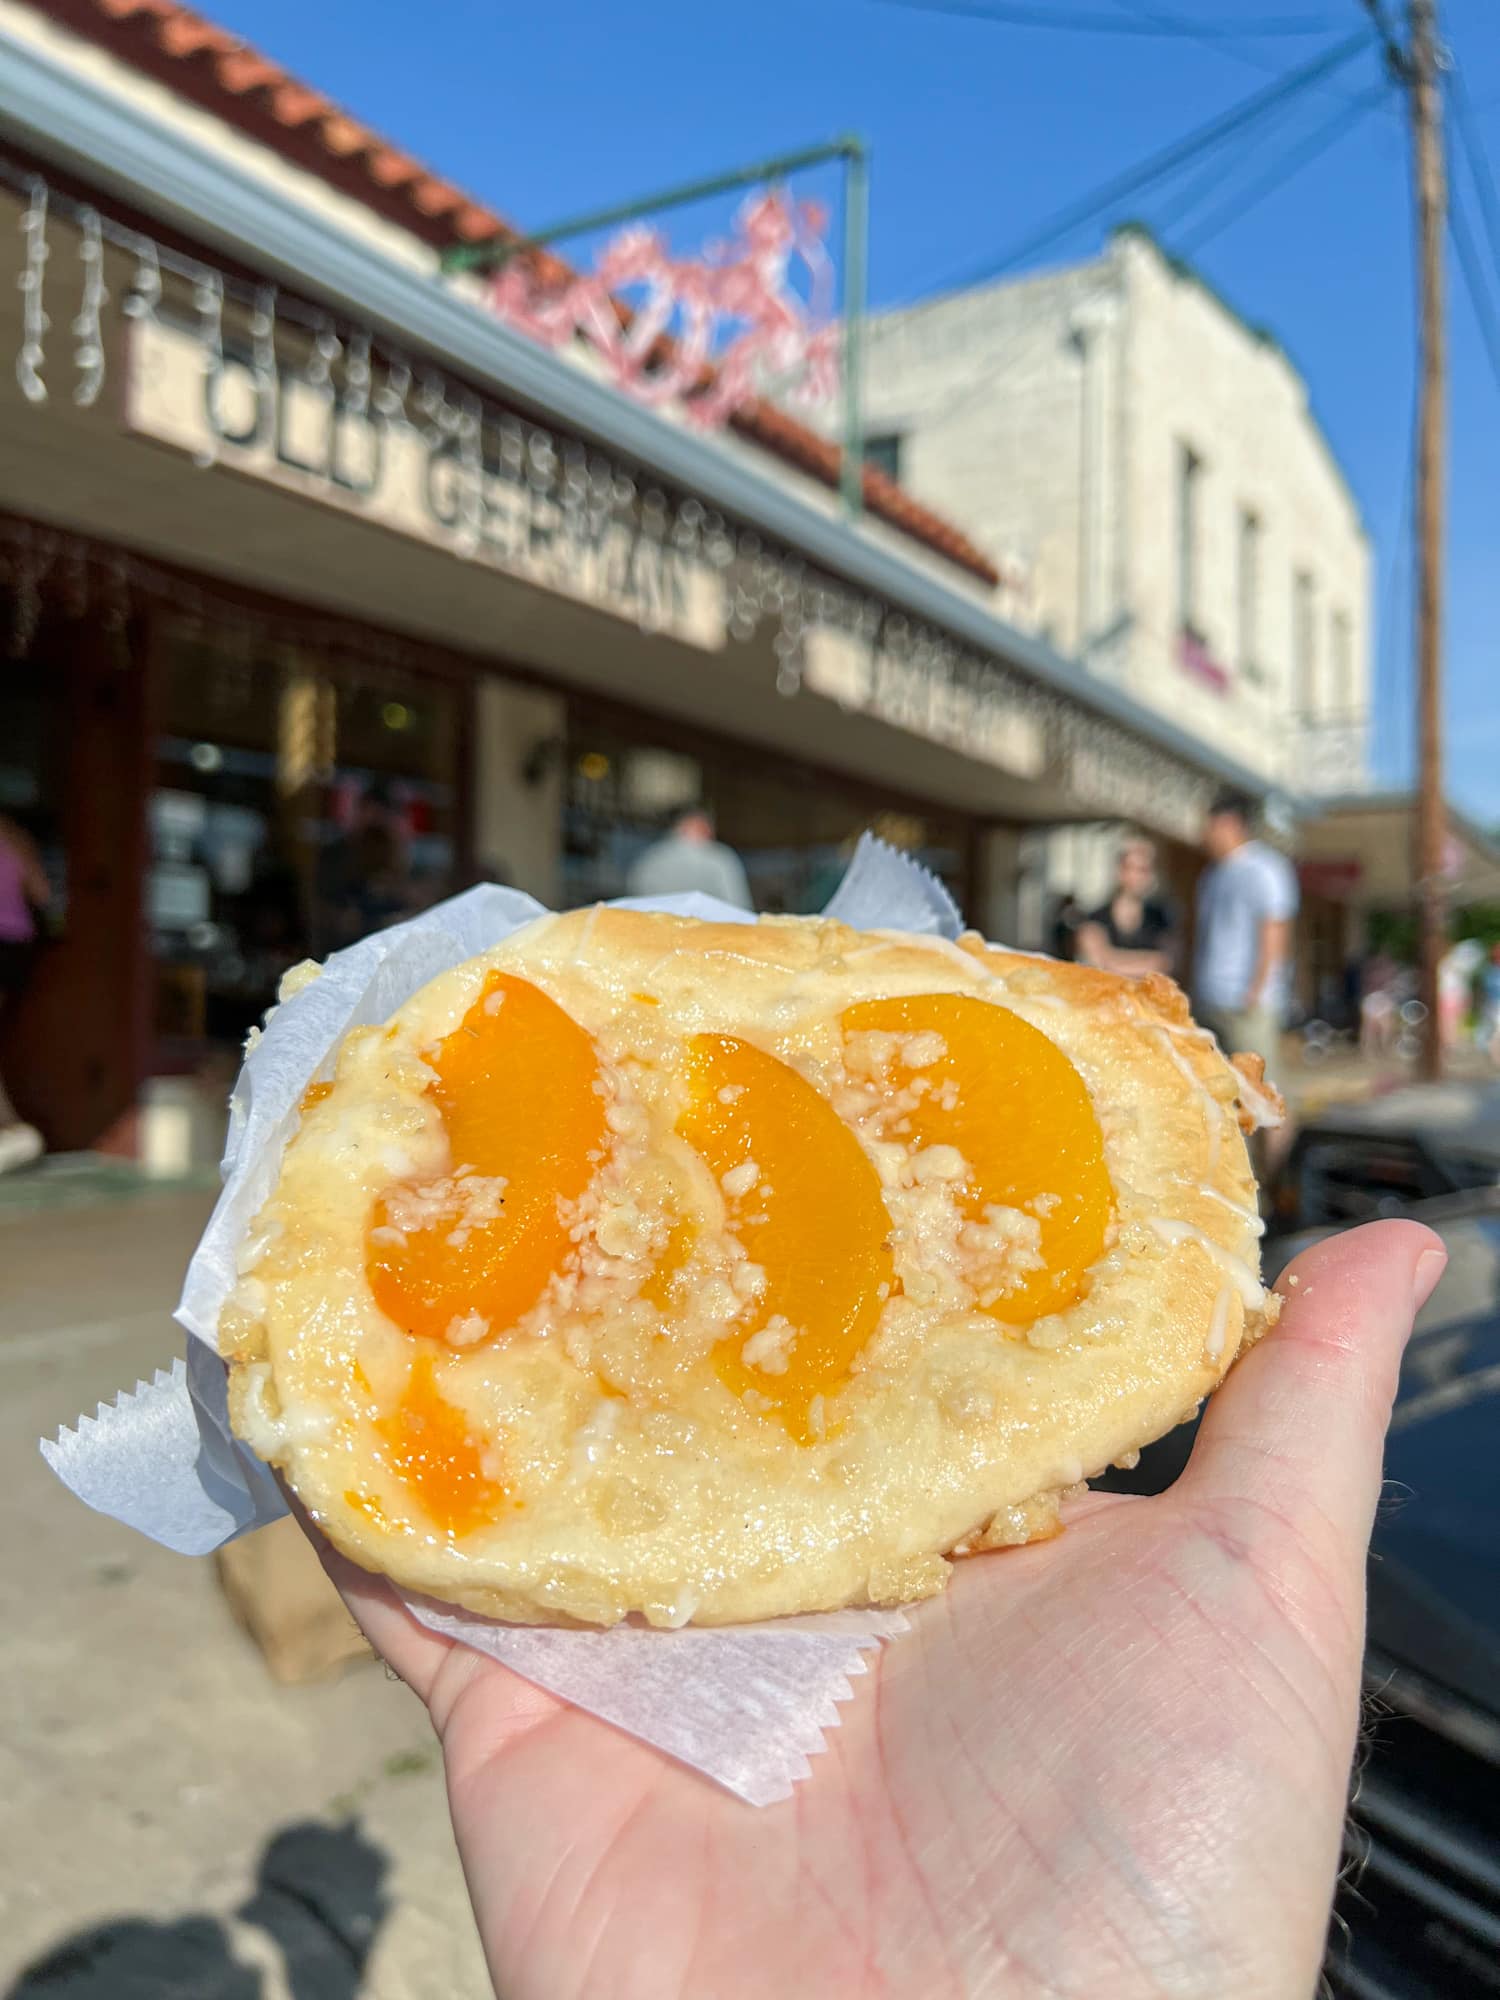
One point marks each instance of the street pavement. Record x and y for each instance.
(174, 1826)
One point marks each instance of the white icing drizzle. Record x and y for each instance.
(1263, 1109)
(975, 968)
(1190, 1033)
(1238, 1272)
(1218, 1326)
(586, 935)
(1214, 1126)
(1251, 1217)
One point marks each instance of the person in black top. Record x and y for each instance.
(1136, 930)
(1065, 921)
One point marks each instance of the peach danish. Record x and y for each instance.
(714, 1271)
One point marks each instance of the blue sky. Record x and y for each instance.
(979, 132)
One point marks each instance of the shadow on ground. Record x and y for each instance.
(319, 1894)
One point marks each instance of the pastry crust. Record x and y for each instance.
(641, 1484)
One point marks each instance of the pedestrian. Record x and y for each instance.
(690, 859)
(1066, 919)
(1378, 1004)
(1455, 990)
(364, 880)
(1247, 900)
(24, 889)
(1135, 932)
(1489, 1005)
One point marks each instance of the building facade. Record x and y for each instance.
(324, 594)
(1150, 463)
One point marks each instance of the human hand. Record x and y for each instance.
(1111, 1765)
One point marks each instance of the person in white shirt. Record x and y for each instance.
(1247, 902)
(690, 858)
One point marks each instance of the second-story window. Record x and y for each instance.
(1304, 646)
(883, 451)
(1189, 508)
(1341, 695)
(1247, 597)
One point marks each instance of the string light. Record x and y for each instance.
(88, 330)
(357, 375)
(34, 320)
(263, 349)
(910, 673)
(208, 298)
(145, 293)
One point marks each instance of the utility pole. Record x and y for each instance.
(1430, 831)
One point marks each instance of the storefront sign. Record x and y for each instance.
(453, 488)
(969, 712)
(1335, 880)
(1149, 790)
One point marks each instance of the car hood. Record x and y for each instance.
(1435, 1558)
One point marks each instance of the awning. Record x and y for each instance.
(1359, 851)
(946, 678)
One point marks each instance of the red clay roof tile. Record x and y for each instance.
(220, 72)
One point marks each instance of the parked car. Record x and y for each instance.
(1354, 1162)
(1421, 1891)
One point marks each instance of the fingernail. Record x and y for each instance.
(1430, 1267)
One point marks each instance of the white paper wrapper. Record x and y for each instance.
(747, 1706)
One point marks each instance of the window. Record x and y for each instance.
(884, 453)
(1247, 597)
(1341, 665)
(1304, 645)
(1189, 478)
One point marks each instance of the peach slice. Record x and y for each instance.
(805, 1202)
(1019, 1114)
(465, 1256)
(433, 1454)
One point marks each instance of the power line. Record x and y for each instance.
(1209, 34)
(1317, 142)
(1478, 159)
(1219, 171)
(1474, 280)
(1395, 55)
(1290, 164)
(1063, 222)
(1003, 14)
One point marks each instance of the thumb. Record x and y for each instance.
(1298, 1428)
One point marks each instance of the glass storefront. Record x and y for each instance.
(296, 807)
(794, 829)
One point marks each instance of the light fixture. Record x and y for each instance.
(396, 715)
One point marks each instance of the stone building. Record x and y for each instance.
(1148, 462)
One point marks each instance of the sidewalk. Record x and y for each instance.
(1345, 1076)
(174, 1823)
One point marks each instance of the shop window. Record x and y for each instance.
(298, 806)
(1341, 665)
(1189, 485)
(1247, 598)
(794, 834)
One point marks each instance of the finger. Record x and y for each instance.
(436, 1669)
(1299, 1426)
(407, 1646)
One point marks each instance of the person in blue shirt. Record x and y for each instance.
(1247, 905)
